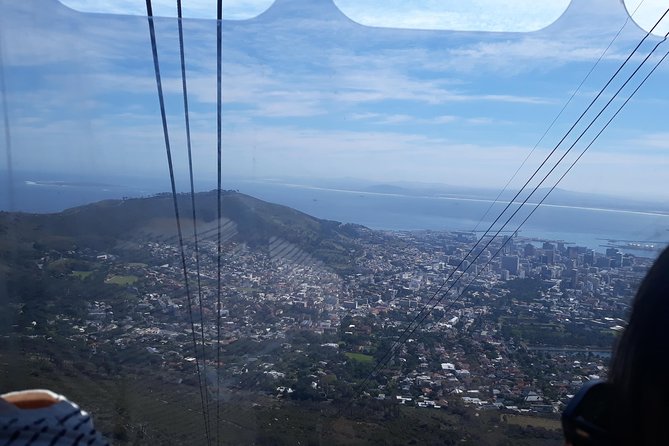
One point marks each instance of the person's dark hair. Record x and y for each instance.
(640, 366)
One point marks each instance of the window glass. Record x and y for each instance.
(478, 15)
(373, 190)
(194, 9)
(647, 13)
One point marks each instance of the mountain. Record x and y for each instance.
(117, 224)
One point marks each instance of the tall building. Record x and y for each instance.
(560, 247)
(589, 257)
(511, 264)
(530, 250)
(603, 262)
(618, 259)
(612, 252)
(548, 257)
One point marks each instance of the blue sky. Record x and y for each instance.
(311, 93)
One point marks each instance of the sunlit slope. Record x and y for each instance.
(117, 224)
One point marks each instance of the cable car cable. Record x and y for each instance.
(182, 56)
(571, 166)
(8, 138)
(219, 50)
(546, 177)
(564, 107)
(508, 205)
(419, 315)
(560, 160)
(161, 100)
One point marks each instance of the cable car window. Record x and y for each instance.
(479, 15)
(198, 9)
(301, 229)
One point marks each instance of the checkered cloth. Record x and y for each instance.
(41, 418)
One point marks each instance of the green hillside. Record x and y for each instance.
(114, 224)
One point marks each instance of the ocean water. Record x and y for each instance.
(592, 227)
(585, 226)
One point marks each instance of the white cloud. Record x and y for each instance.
(288, 109)
(132, 144)
(364, 116)
(658, 140)
(631, 174)
(520, 54)
(92, 104)
(381, 118)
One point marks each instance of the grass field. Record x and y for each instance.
(360, 357)
(122, 280)
(81, 274)
(524, 420)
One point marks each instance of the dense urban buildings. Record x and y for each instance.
(518, 332)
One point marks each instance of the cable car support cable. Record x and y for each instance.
(422, 315)
(219, 50)
(564, 107)
(156, 67)
(194, 216)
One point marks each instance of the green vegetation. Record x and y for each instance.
(122, 280)
(68, 266)
(360, 357)
(553, 335)
(81, 274)
(526, 289)
(59, 268)
(525, 420)
(131, 407)
(107, 225)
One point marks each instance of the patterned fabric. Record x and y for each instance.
(43, 418)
